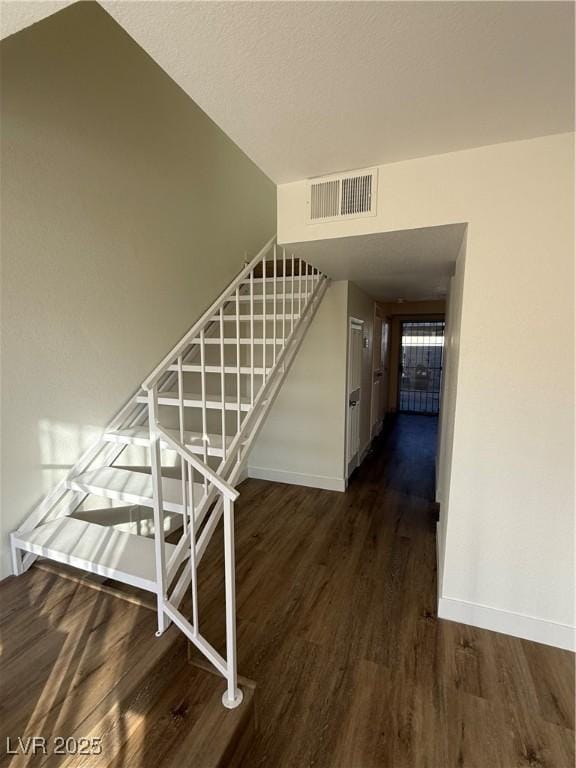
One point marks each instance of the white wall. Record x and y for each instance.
(125, 211)
(509, 550)
(304, 438)
(302, 441)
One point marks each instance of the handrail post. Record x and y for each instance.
(160, 552)
(252, 337)
(203, 387)
(264, 355)
(223, 383)
(232, 696)
(238, 364)
(193, 563)
(274, 310)
(293, 281)
(299, 288)
(283, 297)
(183, 465)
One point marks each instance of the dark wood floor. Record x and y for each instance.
(79, 664)
(336, 624)
(338, 627)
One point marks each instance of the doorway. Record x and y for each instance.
(421, 355)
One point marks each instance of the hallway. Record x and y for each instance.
(337, 626)
(407, 450)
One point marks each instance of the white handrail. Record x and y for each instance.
(226, 489)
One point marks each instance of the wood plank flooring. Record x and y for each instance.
(79, 663)
(338, 627)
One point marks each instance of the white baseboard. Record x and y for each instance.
(364, 451)
(439, 564)
(515, 624)
(294, 478)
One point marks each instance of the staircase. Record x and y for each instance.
(203, 404)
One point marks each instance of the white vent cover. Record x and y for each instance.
(342, 196)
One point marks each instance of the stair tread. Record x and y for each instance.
(141, 436)
(279, 279)
(95, 548)
(257, 341)
(194, 400)
(132, 487)
(228, 369)
(270, 297)
(246, 317)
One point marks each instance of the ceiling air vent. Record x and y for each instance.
(342, 196)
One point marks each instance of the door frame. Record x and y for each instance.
(376, 372)
(379, 408)
(354, 323)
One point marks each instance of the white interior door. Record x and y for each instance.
(377, 378)
(354, 393)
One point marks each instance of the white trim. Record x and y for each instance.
(352, 462)
(365, 451)
(376, 429)
(295, 478)
(509, 623)
(439, 562)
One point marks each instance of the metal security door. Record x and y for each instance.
(421, 366)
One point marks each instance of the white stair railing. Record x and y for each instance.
(243, 403)
(233, 399)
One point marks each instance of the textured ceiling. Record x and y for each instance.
(306, 88)
(412, 264)
(16, 14)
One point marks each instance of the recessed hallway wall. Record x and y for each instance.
(508, 512)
